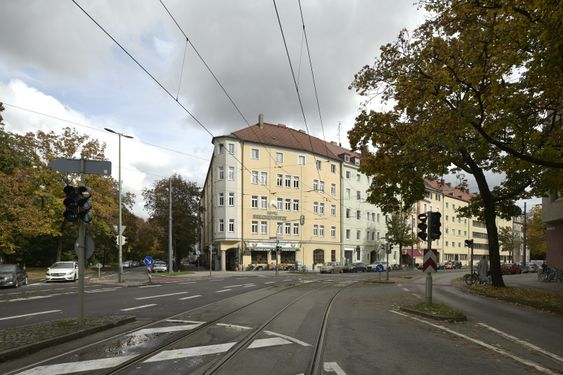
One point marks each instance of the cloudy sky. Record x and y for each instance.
(56, 61)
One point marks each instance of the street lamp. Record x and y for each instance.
(119, 234)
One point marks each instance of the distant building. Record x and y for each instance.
(552, 211)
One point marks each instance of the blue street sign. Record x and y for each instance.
(379, 268)
(148, 261)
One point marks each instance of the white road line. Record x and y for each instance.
(150, 286)
(523, 342)
(288, 279)
(101, 290)
(333, 367)
(269, 282)
(160, 295)
(416, 295)
(406, 289)
(190, 352)
(184, 321)
(233, 326)
(32, 314)
(232, 286)
(148, 331)
(481, 343)
(223, 290)
(189, 297)
(138, 307)
(249, 286)
(70, 367)
(274, 341)
(302, 343)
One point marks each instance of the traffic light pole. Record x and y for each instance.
(428, 293)
(81, 259)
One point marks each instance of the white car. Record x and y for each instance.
(62, 271)
(159, 266)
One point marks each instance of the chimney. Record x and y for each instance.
(261, 120)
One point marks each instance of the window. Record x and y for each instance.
(315, 185)
(347, 159)
(221, 225)
(279, 157)
(231, 174)
(446, 204)
(333, 255)
(221, 148)
(264, 227)
(279, 204)
(373, 216)
(296, 182)
(321, 208)
(459, 232)
(264, 178)
(358, 177)
(333, 189)
(315, 230)
(221, 173)
(316, 208)
(287, 181)
(254, 227)
(279, 180)
(348, 174)
(254, 201)
(288, 204)
(347, 234)
(264, 203)
(378, 218)
(287, 228)
(446, 243)
(321, 231)
(231, 147)
(453, 206)
(453, 219)
(347, 193)
(347, 213)
(447, 217)
(322, 186)
(358, 195)
(296, 229)
(296, 205)
(333, 231)
(221, 199)
(254, 177)
(377, 235)
(231, 199)
(231, 225)
(333, 168)
(333, 210)
(318, 256)
(255, 154)
(373, 236)
(358, 214)
(279, 228)
(358, 234)
(301, 160)
(318, 164)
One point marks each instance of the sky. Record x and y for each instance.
(59, 69)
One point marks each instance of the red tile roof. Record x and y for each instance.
(447, 189)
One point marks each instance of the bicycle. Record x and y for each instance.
(471, 278)
(547, 274)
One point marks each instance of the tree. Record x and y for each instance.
(185, 213)
(464, 96)
(536, 236)
(399, 232)
(507, 241)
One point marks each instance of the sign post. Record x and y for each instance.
(429, 264)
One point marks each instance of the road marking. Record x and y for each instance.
(223, 290)
(160, 295)
(190, 352)
(333, 367)
(416, 295)
(287, 337)
(32, 314)
(269, 282)
(184, 321)
(189, 297)
(481, 343)
(138, 307)
(523, 343)
(148, 331)
(101, 290)
(233, 326)
(288, 279)
(150, 286)
(232, 286)
(406, 289)
(249, 285)
(274, 341)
(70, 367)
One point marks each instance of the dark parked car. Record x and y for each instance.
(359, 267)
(12, 275)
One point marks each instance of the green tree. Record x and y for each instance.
(185, 213)
(399, 231)
(467, 95)
(507, 241)
(536, 236)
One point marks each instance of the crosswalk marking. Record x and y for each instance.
(70, 367)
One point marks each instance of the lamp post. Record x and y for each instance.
(119, 234)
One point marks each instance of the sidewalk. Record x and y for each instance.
(530, 281)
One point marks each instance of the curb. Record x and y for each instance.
(31, 348)
(451, 319)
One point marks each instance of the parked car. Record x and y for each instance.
(510, 268)
(62, 271)
(371, 267)
(127, 264)
(331, 267)
(359, 267)
(12, 275)
(159, 266)
(529, 267)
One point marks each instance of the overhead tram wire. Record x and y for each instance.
(102, 131)
(144, 69)
(156, 81)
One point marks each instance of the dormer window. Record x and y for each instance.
(347, 158)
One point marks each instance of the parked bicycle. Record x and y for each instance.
(474, 279)
(548, 274)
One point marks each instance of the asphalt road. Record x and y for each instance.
(204, 321)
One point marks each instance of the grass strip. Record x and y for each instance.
(544, 301)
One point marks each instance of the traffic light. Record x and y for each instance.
(71, 203)
(84, 203)
(422, 226)
(468, 243)
(435, 224)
